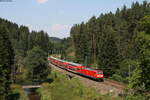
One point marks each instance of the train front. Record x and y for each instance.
(99, 75)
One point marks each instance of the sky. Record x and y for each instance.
(56, 17)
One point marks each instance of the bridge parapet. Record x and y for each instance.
(31, 86)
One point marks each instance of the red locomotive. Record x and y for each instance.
(78, 68)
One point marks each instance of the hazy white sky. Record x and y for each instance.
(56, 17)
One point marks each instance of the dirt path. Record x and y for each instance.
(108, 86)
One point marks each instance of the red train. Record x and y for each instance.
(78, 68)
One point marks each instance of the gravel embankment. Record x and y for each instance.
(108, 86)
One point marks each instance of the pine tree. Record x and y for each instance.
(92, 32)
(23, 43)
(142, 42)
(108, 52)
(6, 63)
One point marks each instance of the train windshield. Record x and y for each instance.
(99, 72)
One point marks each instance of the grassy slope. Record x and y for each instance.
(63, 89)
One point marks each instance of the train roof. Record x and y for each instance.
(76, 64)
(88, 68)
(92, 69)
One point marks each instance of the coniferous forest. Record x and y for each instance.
(23, 57)
(117, 43)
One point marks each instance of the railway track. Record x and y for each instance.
(115, 84)
(107, 87)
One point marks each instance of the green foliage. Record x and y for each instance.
(145, 24)
(18, 93)
(108, 53)
(142, 71)
(6, 64)
(136, 97)
(22, 75)
(45, 92)
(125, 64)
(66, 89)
(135, 79)
(37, 65)
(113, 40)
(22, 41)
(140, 79)
(119, 42)
(80, 38)
(118, 78)
(126, 70)
(70, 54)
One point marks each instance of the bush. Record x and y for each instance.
(118, 78)
(64, 89)
(18, 93)
(136, 97)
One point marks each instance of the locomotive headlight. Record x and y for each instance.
(99, 75)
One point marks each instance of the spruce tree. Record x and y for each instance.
(108, 52)
(6, 63)
(142, 43)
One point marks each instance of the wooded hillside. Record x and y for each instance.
(117, 43)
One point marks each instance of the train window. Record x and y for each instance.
(71, 65)
(88, 68)
(99, 72)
